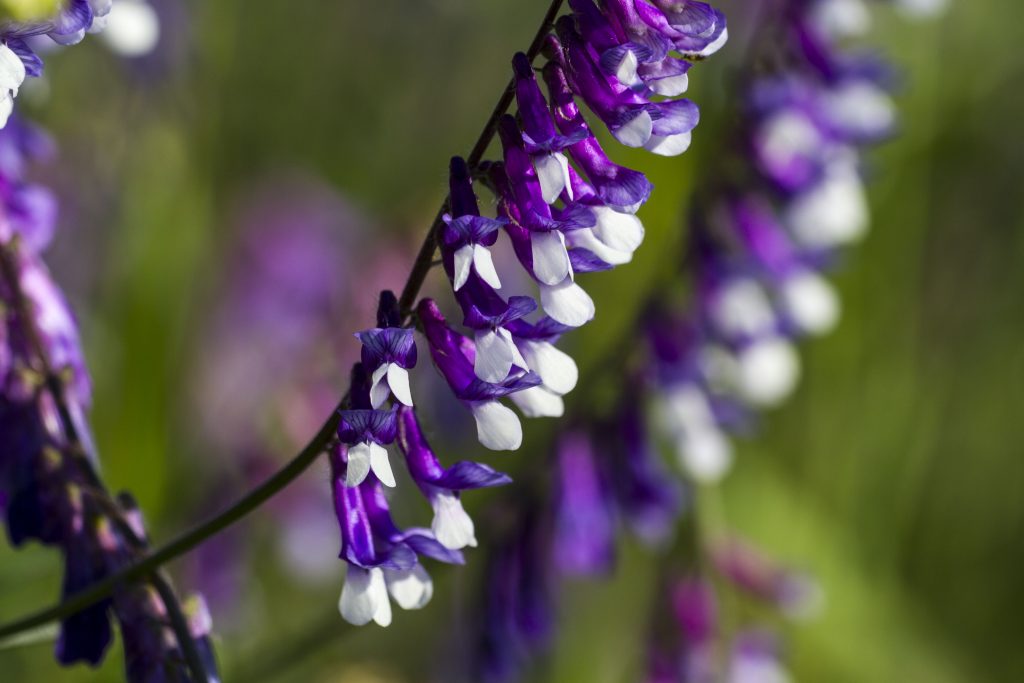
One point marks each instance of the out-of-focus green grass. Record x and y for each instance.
(895, 474)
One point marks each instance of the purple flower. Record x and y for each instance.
(367, 432)
(517, 613)
(442, 486)
(381, 558)
(651, 499)
(659, 127)
(388, 353)
(584, 542)
(498, 428)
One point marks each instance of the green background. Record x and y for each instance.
(895, 474)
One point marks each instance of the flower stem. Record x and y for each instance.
(151, 561)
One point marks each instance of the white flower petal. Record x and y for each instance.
(706, 455)
(381, 465)
(463, 264)
(358, 464)
(484, 265)
(494, 357)
(584, 238)
(636, 132)
(550, 258)
(539, 402)
(553, 174)
(497, 426)
(672, 86)
(6, 108)
(452, 527)
(811, 302)
(834, 212)
(379, 389)
(767, 371)
(398, 380)
(626, 73)
(411, 588)
(132, 28)
(12, 70)
(741, 307)
(669, 145)
(567, 303)
(364, 598)
(556, 368)
(620, 231)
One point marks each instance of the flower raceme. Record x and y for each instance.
(566, 209)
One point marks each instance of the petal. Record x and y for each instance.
(553, 174)
(556, 368)
(669, 145)
(411, 588)
(398, 380)
(380, 464)
(12, 70)
(567, 303)
(585, 239)
(705, 454)
(485, 266)
(636, 131)
(810, 302)
(451, 525)
(620, 231)
(358, 464)
(494, 356)
(539, 402)
(768, 371)
(497, 426)
(550, 259)
(378, 388)
(463, 264)
(364, 598)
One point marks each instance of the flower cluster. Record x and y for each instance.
(49, 491)
(565, 208)
(762, 241)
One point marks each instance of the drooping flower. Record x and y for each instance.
(443, 486)
(382, 559)
(498, 428)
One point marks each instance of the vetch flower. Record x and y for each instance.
(388, 353)
(498, 428)
(381, 558)
(442, 486)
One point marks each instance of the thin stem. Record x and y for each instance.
(147, 564)
(181, 630)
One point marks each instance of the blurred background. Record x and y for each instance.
(260, 136)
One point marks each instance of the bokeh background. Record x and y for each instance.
(262, 134)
